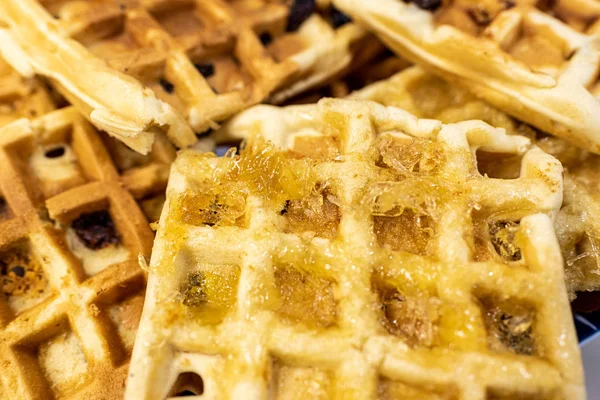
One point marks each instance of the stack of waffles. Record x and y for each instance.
(408, 217)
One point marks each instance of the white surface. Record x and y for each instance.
(591, 361)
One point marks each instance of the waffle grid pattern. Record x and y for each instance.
(65, 342)
(532, 62)
(252, 350)
(427, 96)
(21, 97)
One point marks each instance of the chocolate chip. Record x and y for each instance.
(338, 18)
(207, 70)
(266, 38)
(55, 152)
(96, 230)
(286, 207)
(18, 270)
(3, 206)
(480, 15)
(205, 133)
(122, 7)
(429, 5)
(300, 11)
(508, 4)
(166, 85)
(185, 393)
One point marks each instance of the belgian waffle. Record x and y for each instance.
(21, 97)
(207, 59)
(427, 96)
(360, 255)
(535, 60)
(70, 238)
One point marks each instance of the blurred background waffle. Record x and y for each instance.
(70, 238)
(331, 263)
(208, 59)
(21, 97)
(536, 60)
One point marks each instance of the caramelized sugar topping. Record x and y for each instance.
(409, 155)
(305, 297)
(261, 171)
(211, 210)
(194, 292)
(210, 291)
(316, 213)
(96, 230)
(413, 318)
(502, 235)
(509, 326)
(409, 231)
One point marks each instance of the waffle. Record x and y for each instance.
(358, 254)
(21, 97)
(70, 237)
(535, 60)
(427, 96)
(206, 59)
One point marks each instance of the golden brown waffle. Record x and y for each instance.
(427, 96)
(33, 43)
(535, 60)
(362, 255)
(21, 97)
(70, 237)
(208, 59)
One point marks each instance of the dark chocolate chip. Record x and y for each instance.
(55, 152)
(480, 15)
(186, 393)
(207, 70)
(429, 5)
(338, 18)
(166, 85)
(96, 230)
(18, 270)
(300, 11)
(266, 38)
(287, 205)
(3, 206)
(205, 133)
(508, 4)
